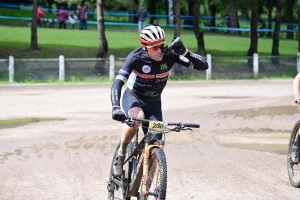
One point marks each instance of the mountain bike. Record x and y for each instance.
(293, 168)
(145, 167)
(44, 23)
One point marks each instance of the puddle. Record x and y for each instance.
(12, 123)
(275, 110)
(276, 142)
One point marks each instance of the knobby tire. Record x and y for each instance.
(293, 169)
(157, 181)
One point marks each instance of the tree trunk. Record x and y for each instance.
(103, 46)
(170, 13)
(289, 16)
(34, 43)
(132, 10)
(178, 18)
(198, 33)
(269, 34)
(212, 14)
(152, 10)
(234, 23)
(276, 34)
(253, 34)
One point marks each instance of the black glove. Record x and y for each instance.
(118, 114)
(179, 49)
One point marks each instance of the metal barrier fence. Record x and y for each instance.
(94, 69)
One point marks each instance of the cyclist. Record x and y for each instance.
(146, 71)
(295, 147)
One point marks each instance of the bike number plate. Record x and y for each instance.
(156, 126)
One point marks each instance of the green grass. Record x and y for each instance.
(84, 44)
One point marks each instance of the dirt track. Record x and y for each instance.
(239, 151)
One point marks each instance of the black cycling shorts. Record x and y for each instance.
(152, 110)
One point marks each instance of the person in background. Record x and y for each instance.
(40, 15)
(72, 19)
(155, 23)
(296, 145)
(82, 17)
(142, 15)
(62, 17)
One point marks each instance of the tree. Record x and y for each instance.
(198, 33)
(253, 33)
(276, 34)
(290, 17)
(178, 18)
(234, 21)
(103, 46)
(34, 43)
(170, 12)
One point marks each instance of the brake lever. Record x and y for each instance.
(130, 122)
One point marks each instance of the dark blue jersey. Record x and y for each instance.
(146, 77)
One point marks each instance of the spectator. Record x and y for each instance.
(51, 23)
(262, 25)
(82, 17)
(40, 15)
(62, 17)
(73, 19)
(142, 15)
(155, 23)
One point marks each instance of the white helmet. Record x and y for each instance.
(152, 34)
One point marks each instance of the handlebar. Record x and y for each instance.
(130, 121)
(169, 47)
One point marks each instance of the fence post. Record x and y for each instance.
(61, 68)
(11, 70)
(111, 67)
(298, 62)
(255, 65)
(208, 71)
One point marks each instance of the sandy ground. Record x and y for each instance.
(239, 152)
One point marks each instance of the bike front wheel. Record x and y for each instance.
(157, 176)
(293, 169)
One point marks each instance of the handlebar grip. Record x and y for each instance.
(169, 47)
(192, 125)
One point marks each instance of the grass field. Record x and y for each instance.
(84, 44)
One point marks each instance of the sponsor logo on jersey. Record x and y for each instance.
(184, 59)
(150, 93)
(163, 67)
(146, 69)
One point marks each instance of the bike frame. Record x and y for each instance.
(143, 166)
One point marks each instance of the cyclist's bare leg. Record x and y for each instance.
(128, 132)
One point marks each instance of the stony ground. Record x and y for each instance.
(239, 152)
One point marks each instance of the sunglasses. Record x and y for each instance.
(156, 47)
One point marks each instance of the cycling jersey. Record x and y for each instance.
(146, 78)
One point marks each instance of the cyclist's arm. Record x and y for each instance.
(296, 86)
(120, 80)
(191, 60)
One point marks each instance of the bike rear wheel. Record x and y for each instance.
(157, 176)
(116, 191)
(26, 23)
(293, 169)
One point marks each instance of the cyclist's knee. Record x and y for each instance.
(136, 112)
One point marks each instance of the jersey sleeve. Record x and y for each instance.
(121, 79)
(192, 60)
